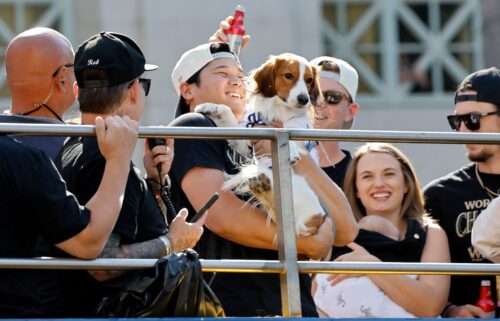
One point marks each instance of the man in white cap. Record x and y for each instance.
(210, 73)
(336, 108)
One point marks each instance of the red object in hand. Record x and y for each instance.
(236, 30)
(485, 301)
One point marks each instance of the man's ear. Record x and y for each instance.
(133, 91)
(352, 112)
(75, 89)
(186, 93)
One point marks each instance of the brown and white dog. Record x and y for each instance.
(281, 89)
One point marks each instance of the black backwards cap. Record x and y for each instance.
(486, 83)
(115, 54)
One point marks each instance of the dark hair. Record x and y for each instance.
(103, 100)
(412, 206)
(183, 106)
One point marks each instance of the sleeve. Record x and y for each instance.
(432, 203)
(486, 230)
(190, 153)
(56, 212)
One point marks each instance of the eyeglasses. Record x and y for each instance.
(472, 120)
(332, 97)
(59, 68)
(145, 83)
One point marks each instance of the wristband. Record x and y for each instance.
(166, 242)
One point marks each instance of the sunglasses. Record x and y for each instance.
(472, 121)
(145, 83)
(332, 97)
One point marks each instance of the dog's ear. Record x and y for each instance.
(314, 90)
(264, 78)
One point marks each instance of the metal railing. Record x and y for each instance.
(287, 266)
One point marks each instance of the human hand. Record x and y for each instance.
(182, 234)
(160, 155)
(221, 36)
(116, 137)
(358, 254)
(318, 245)
(263, 147)
(467, 311)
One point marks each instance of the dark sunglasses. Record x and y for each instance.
(332, 97)
(59, 68)
(145, 83)
(472, 121)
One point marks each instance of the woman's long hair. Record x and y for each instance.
(413, 200)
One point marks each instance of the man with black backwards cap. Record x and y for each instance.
(456, 199)
(210, 73)
(110, 72)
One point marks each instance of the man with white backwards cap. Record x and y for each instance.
(336, 108)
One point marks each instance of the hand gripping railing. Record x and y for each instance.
(288, 267)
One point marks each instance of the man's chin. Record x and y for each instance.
(477, 157)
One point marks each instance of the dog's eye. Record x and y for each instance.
(289, 76)
(309, 80)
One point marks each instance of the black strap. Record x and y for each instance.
(38, 108)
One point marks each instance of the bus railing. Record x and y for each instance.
(288, 267)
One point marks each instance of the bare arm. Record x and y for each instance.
(332, 197)
(427, 296)
(240, 222)
(182, 235)
(116, 141)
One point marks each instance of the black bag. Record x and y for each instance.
(174, 287)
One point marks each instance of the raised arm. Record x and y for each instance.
(330, 196)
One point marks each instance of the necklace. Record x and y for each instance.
(480, 181)
(320, 144)
(38, 106)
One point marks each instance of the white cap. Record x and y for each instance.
(347, 77)
(192, 61)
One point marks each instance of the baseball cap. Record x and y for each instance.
(115, 54)
(347, 76)
(485, 82)
(190, 63)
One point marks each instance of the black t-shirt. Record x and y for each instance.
(337, 173)
(455, 201)
(241, 294)
(34, 203)
(82, 166)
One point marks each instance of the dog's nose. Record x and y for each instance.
(303, 99)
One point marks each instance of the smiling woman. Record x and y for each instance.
(381, 183)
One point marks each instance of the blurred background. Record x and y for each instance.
(410, 55)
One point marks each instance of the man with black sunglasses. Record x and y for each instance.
(39, 69)
(457, 199)
(110, 72)
(336, 108)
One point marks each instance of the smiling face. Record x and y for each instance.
(380, 184)
(330, 115)
(221, 82)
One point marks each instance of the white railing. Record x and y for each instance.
(287, 266)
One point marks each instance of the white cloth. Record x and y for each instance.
(356, 297)
(486, 232)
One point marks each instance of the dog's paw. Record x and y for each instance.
(222, 115)
(260, 184)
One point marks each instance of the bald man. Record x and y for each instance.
(39, 67)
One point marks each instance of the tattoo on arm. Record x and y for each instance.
(149, 249)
